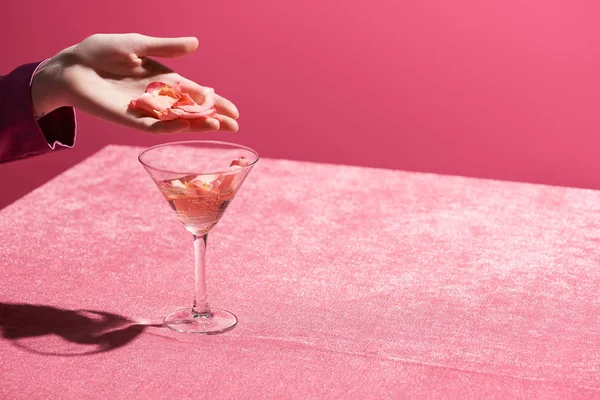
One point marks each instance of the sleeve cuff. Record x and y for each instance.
(58, 127)
(21, 134)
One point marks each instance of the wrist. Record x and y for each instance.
(47, 91)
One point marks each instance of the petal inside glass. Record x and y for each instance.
(199, 179)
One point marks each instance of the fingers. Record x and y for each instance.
(204, 125)
(139, 120)
(226, 107)
(220, 123)
(223, 106)
(227, 124)
(143, 67)
(147, 46)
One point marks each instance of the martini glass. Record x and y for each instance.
(199, 179)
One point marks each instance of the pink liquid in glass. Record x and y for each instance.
(199, 201)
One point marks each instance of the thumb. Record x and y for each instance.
(147, 46)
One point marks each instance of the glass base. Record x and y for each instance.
(184, 320)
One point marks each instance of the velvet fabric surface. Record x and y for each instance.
(348, 282)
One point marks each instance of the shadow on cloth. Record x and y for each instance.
(86, 331)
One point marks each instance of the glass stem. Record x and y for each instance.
(200, 308)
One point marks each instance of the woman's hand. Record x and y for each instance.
(102, 74)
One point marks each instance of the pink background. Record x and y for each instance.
(498, 89)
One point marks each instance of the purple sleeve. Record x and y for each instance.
(21, 134)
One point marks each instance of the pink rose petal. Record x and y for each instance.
(152, 104)
(155, 87)
(168, 102)
(240, 162)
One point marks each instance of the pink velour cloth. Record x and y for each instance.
(348, 283)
